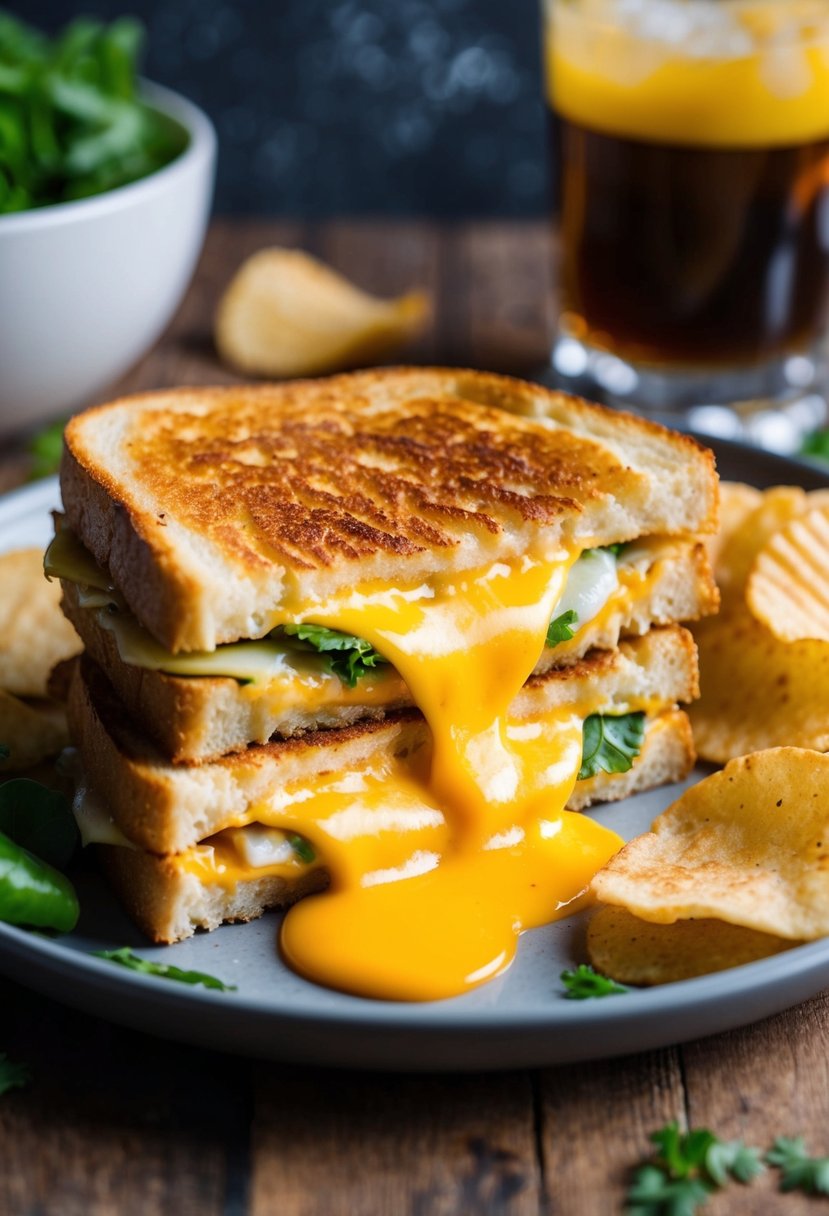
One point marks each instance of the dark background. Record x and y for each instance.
(353, 107)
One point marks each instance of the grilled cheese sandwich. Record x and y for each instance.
(412, 512)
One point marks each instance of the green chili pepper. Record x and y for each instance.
(32, 893)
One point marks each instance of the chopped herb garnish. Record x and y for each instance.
(686, 1170)
(302, 847)
(611, 743)
(126, 958)
(561, 629)
(584, 983)
(348, 657)
(799, 1171)
(12, 1074)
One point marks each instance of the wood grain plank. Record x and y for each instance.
(503, 282)
(594, 1121)
(114, 1123)
(764, 1081)
(351, 1144)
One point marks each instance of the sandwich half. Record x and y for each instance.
(269, 579)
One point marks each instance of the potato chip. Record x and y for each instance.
(757, 692)
(286, 314)
(736, 502)
(34, 633)
(29, 733)
(748, 845)
(788, 588)
(748, 531)
(635, 951)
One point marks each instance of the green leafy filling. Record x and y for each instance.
(302, 847)
(561, 629)
(585, 983)
(348, 657)
(71, 122)
(610, 743)
(125, 957)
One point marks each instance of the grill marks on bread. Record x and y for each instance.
(326, 477)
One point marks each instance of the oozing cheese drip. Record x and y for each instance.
(452, 853)
(464, 645)
(412, 912)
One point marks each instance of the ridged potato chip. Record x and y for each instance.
(286, 314)
(748, 846)
(788, 588)
(34, 633)
(746, 532)
(635, 951)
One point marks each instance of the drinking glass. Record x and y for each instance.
(690, 151)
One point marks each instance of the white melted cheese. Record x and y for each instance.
(592, 581)
(95, 824)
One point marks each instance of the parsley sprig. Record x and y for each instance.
(799, 1171)
(686, 1170)
(348, 657)
(125, 957)
(584, 983)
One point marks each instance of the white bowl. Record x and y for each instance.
(86, 287)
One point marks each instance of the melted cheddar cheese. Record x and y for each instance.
(437, 860)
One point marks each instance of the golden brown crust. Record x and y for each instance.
(189, 488)
(168, 904)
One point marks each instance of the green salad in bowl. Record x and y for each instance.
(72, 123)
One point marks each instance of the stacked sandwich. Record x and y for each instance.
(372, 635)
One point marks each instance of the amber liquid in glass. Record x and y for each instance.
(675, 254)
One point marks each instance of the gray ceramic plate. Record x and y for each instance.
(519, 1020)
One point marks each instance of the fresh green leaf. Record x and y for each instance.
(732, 1157)
(584, 983)
(560, 630)
(686, 1169)
(45, 449)
(347, 657)
(611, 743)
(302, 847)
(653, 1193)
(799, 1171)
(12, 1074)
(38, 819)
(125, 957)
(33, 893)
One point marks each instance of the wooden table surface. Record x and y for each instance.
(118, 1122)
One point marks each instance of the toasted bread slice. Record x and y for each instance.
(167, 808)
(193, 719)
(210, 507)
(169, 903)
